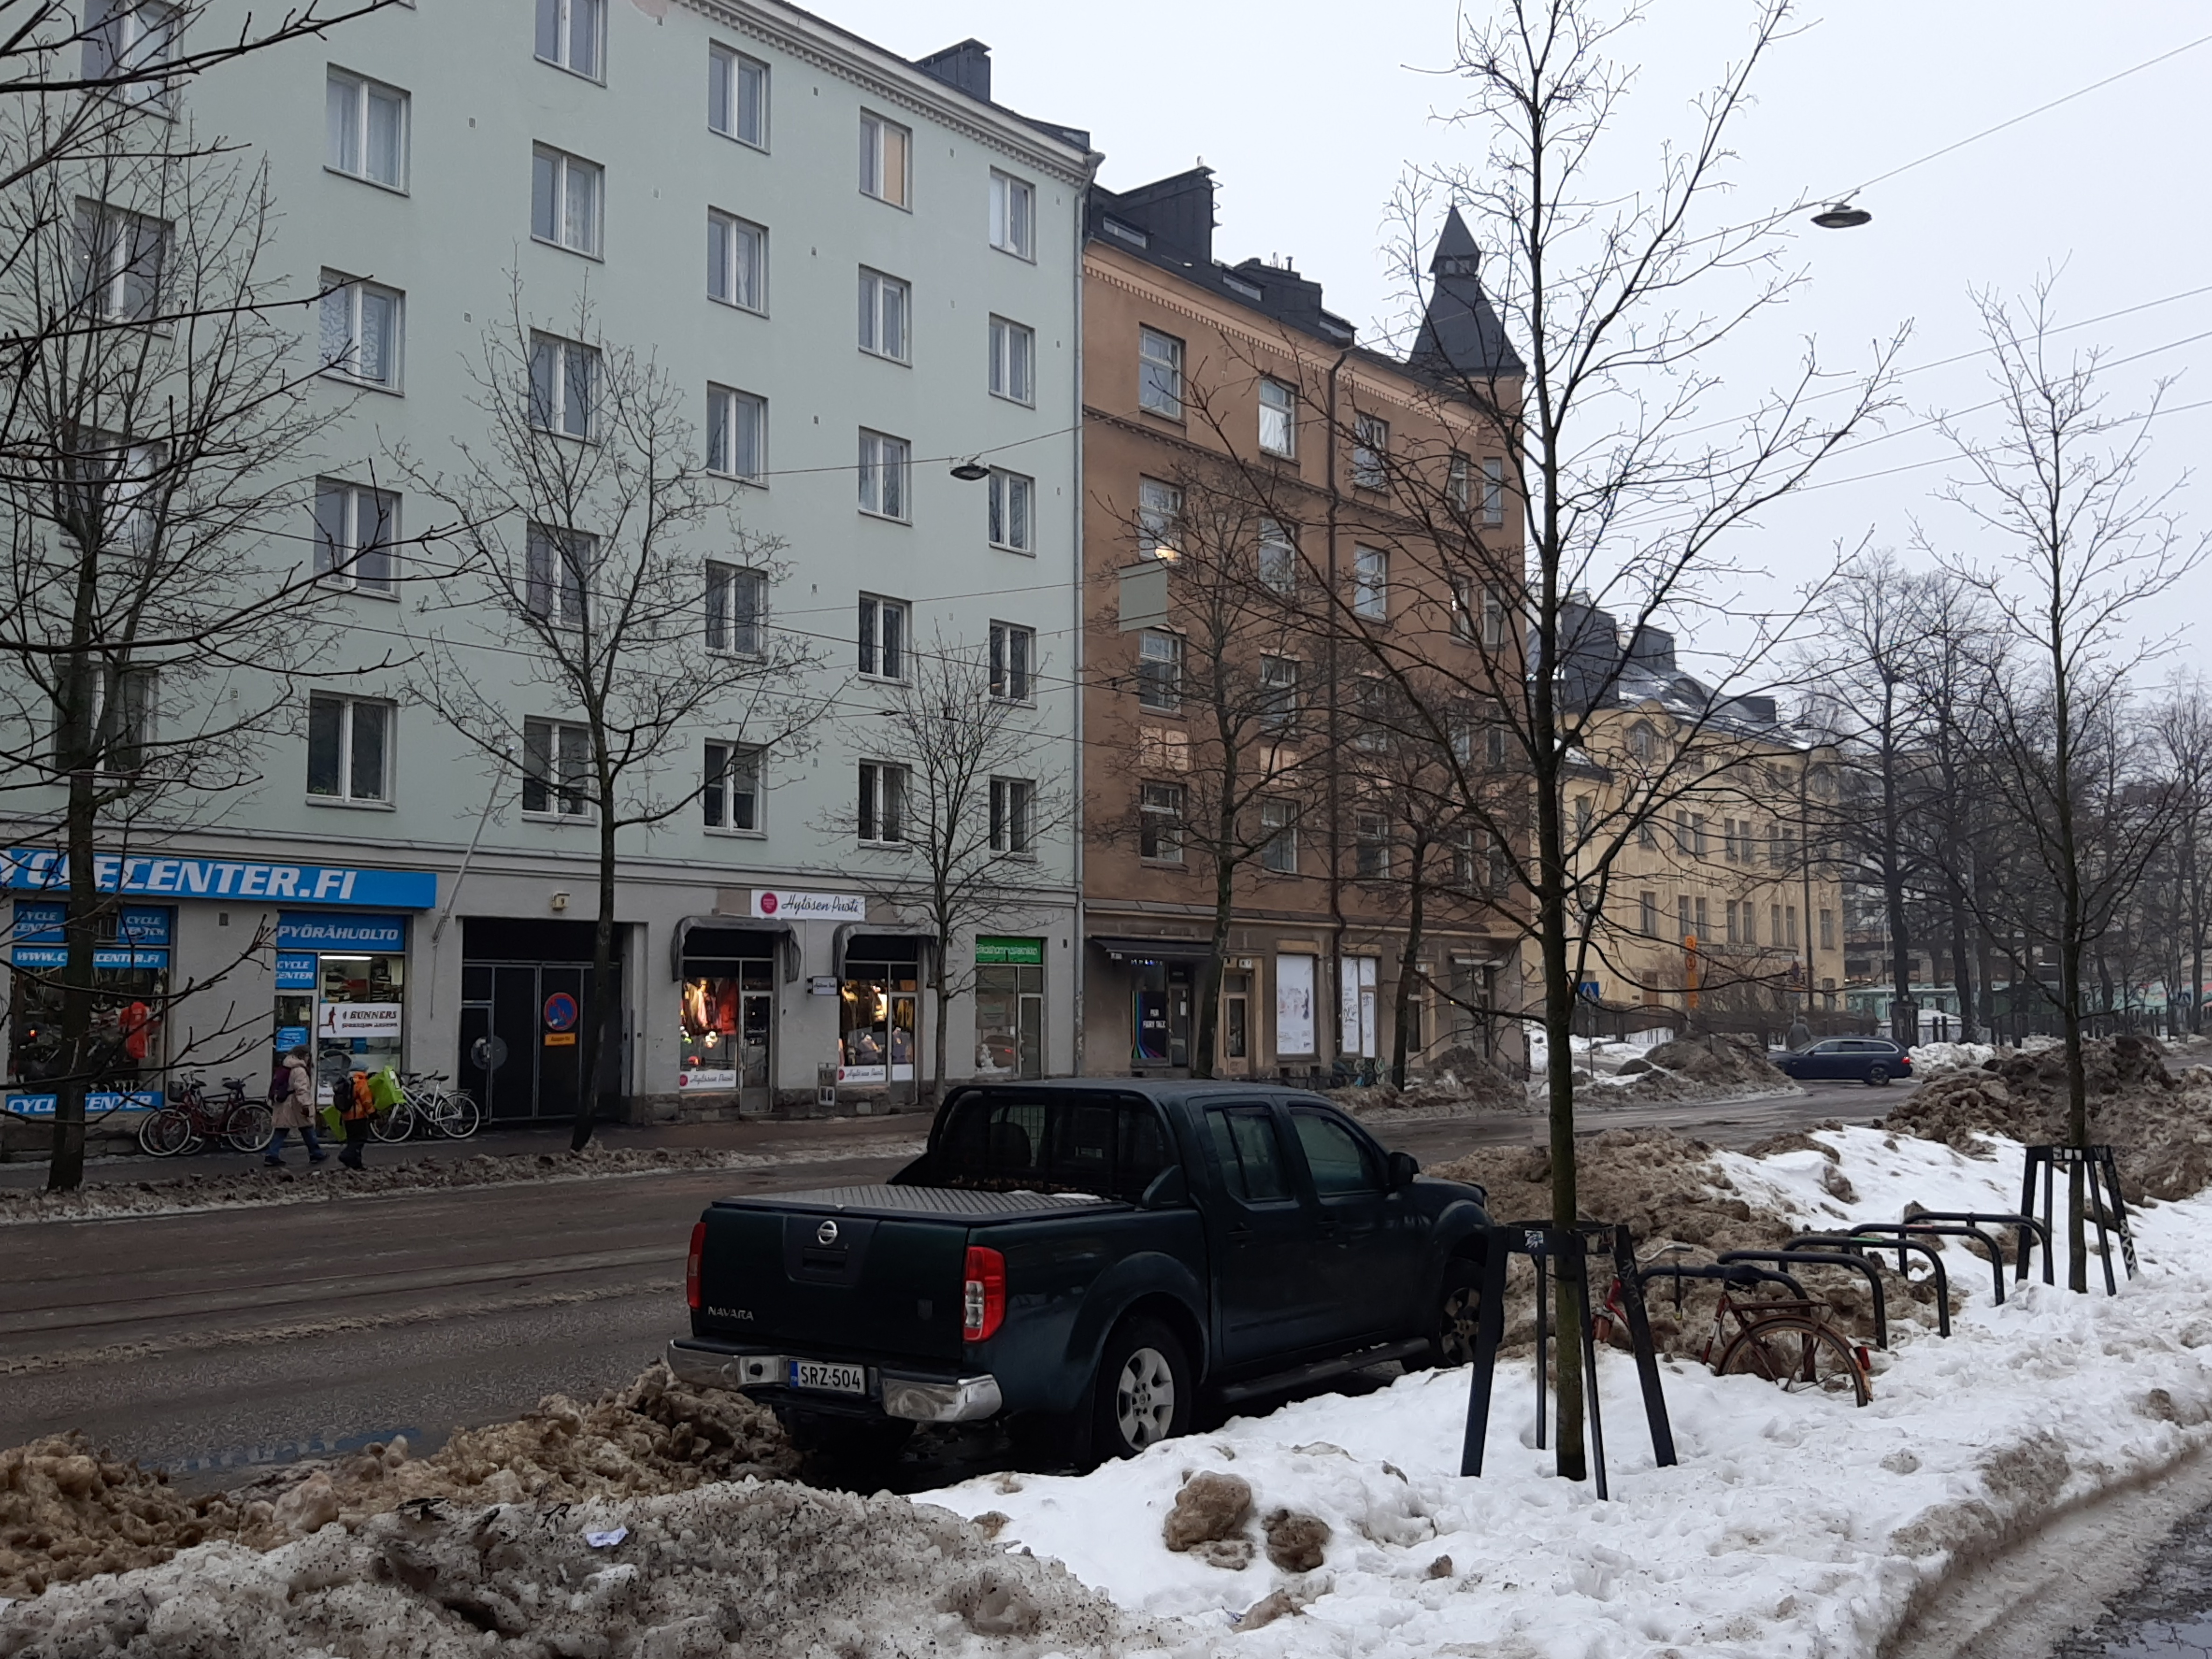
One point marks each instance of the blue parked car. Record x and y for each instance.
(1873, 1060)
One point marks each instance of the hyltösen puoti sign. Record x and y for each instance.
(770, 905)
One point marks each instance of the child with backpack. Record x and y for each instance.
(357, 1106)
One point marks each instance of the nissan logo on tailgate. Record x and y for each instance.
(826, 1233)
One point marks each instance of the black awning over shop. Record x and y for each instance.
(728, 939)
(1128, 947)
(861, 941)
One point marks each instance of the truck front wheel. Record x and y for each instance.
(1144, 1391)
(1453, 1315)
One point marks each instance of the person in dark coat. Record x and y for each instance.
(295, 1109)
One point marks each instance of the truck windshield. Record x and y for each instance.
(1004, 1141)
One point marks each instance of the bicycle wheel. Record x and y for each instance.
(165, 1134)
(459, 1115)
(248, 1127)
(394, 1123)
(1798, 1355)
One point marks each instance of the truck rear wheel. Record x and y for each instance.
(1453, 1315)
(1144, 1390)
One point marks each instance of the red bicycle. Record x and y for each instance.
(190, 1121)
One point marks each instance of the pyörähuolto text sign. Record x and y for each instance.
(44, 869)
(773, 905)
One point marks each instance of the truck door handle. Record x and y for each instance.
(1240, 1235)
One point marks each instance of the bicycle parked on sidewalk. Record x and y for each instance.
(189, 1120)
(427, 1107)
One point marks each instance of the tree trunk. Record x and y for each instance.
(942, 950)
(1207, 1035)
(1962, 968)
(65, 1161)
(596, 1036)
(1408, 965)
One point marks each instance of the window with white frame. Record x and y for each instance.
(566, 194)
(1159, 823)
(349, 748)
(1462, 608)
(572, 35)
(737, 261)
(110, 484)
(884, 624)
(1009, 498)
(1370, 452)
(123, 710)
(1159, 373)
(357, 537)
(127, 46)
(737, 433)
(1494, 614)
(120, 255)
(1371, 845)
(1279, 694)
(1279, 558)
(883, 803)
(365, 128)
(1278, 852)
(737, 607)
(1493, 491)
(1279, 419)
(736, 96)
(730, 789)
(1159, 670)
(883, 475)
(1370, 583)
(885, 161)
(556, 578)
(1159, 508)
(556, 768)
(1647, 915)
(1013, 215)
(1013, 361)
(1013, 811)
(361, 332)
(564, 386)
(1457, 484)
(1014, 653)
(884, 305)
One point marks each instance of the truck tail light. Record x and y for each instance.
(983, 1302)
(691, 1265)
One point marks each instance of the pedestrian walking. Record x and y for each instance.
(295, 1109)
(356, 1109)
(1801, 1034)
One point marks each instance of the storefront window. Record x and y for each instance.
(1009, 1008)
(875, 1023)
(357, 1017)
(728, 1010)
(130, 981)
(1162, 1013)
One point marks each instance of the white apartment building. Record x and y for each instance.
(730, 183)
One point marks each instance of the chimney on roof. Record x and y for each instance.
(967, 66)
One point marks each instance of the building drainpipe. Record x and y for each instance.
(1335, 731)
(1077, 947)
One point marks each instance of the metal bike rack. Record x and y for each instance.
(1828, 1259)
(1854, 1241)
(1572, 1249)
(2029, 1231)
(2103, 1170)
(1742, 1275)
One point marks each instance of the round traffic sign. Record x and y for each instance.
(560, 1011)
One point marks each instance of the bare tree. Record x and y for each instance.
(624, 605)
(2181, 733)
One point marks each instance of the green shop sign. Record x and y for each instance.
(1009, 952)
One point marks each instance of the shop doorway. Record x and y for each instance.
(728, 1016)
(1162, 1013)
(1009, 1008)
(522, 1021)
(1236, 1024)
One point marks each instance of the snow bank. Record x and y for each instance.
(1930, 1057)
(1793, 1525)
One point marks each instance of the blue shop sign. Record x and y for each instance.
(295, 971)
(289, 1037)
(46, 870)
(303, 930)
(95, 1105)
(41, 923)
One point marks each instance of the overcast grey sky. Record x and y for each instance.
(1309, 113)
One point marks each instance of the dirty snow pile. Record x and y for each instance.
(1456, 1082)
(1930, 1058)
(1793, 1524)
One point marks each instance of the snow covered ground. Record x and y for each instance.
(1793, 1525)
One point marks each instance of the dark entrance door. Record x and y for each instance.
(523, 1020)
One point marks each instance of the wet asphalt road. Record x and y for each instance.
(212, 1344)
(2168, 1615)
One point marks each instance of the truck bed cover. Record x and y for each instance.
(923, 1200)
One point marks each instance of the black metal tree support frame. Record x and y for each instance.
(2104, 1173)
(1543, 1243)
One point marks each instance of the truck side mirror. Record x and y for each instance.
(1403, 1166)
(1166, 1189)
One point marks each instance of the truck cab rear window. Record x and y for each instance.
(1002, 1142)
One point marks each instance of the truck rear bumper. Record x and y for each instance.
(918, 1399)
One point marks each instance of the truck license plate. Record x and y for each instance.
(832, 1379)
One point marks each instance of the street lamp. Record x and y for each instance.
(1841, 216)
(970, 470)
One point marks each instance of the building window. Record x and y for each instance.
(737, 262)
(1159, 670)
(1010, 494)
(1159, 508)
(556, 768)
(130, 42)
(1279, 559)
(884, 160)
(1013, 361)
(564, 386)
(883, 475)
(1370, 452)
(1699, 845)
(729, 794)
(1703, 926)
(737, 429)
(1791, 915)
(360, 332)
(1279, 422)
(122, 718)
(1682, 916)
(1774, 926)
(120, 255)
(1493, 620)
(349, 748)
(1647, 920)
(1012, 801)
(1370, 583)
(1278, 852)
(1159, 373)
(557, 575)
(1455, 483)
(1734, 929)
(883, 803)
(737, 603)
(737, 97)
(883, 637)
(884, 301)
(1013, 650)
(1462, 608)
(1827, 930)
(1585, 813)
(357, 532)
(1013, 215)
(1159, 823)
(1279, 694)
(1370, 853)
(571, 35)
(565, 192)
(1493, 491)
(365, 128)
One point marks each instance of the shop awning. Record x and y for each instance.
(889, 941)
(684, 942)
(1125, 946)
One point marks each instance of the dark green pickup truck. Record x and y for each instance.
(1085, 1255)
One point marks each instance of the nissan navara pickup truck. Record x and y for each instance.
(1091, 1258)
